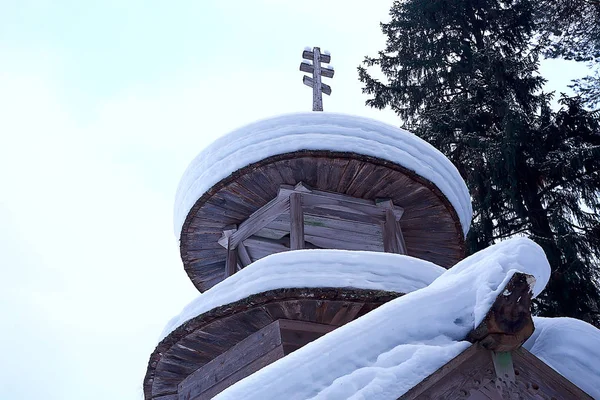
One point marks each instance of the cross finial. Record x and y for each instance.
(313, 66)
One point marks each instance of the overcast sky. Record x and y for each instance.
(102, 106)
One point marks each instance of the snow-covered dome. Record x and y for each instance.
(352, 156)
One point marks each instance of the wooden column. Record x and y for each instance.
(231, 261)
(390, 244)
(393, 240)
(296, 222)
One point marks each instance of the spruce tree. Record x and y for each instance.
(570, 29)
(463, 75)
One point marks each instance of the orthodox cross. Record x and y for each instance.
(313, 66)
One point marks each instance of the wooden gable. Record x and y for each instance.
(496, 367)
(472, 376)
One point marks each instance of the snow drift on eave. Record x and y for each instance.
(314, 269)
(383, 354)
(571, 347)
(319, 131)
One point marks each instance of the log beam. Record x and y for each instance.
(508, 324)
(258, 220)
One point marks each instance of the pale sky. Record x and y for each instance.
(102, 106)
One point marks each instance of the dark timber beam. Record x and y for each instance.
(317, 198)
(334, 208)
(243, 256)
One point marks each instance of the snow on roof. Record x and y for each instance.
(314, 269)
(571, 347)
(319, 131)
(391, 349)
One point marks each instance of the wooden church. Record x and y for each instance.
(271, 219)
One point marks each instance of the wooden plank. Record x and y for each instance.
(258, 220)
(336, 243)
(337, 238)
(390, 243)
(340, 214)
(308, 55)
(243, 255)
(285, 169)
(318, 198)
(237, 376)
(294, 325)
(231, 260)
(296, 334)
(266, 245)
(359, 183)
(327, 227)
(239, 356)
(400, 239)
(347, 313)
(327, 72)
(309, 68)
(303, 310)
(167, 397)
(306, 67)
(296, 222)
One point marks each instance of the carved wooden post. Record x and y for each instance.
(317, 71)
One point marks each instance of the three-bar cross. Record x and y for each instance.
(317, 71)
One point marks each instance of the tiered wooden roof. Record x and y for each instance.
(315, 195)
(216, 349)
(343, 207)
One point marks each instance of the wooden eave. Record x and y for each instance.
(431, 228)
(210, 335)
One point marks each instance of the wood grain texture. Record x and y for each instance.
(296, 222)
(508, 324)
(207, 336)
(471, 376)
(430, 226)
(455, 380)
